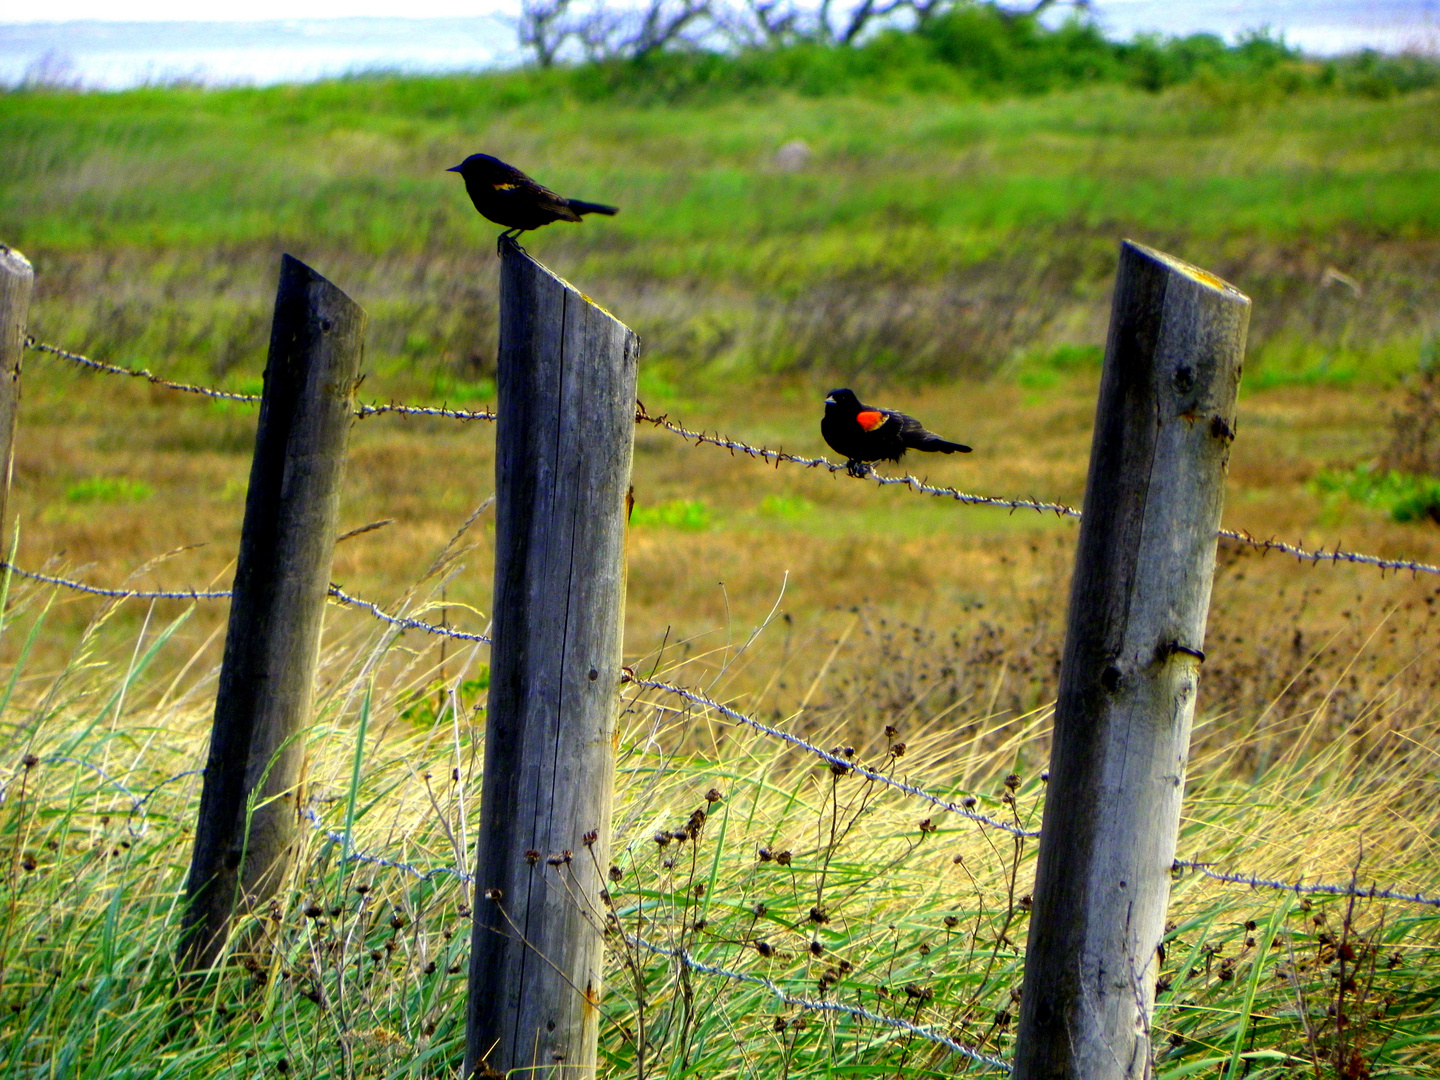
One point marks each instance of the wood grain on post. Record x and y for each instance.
(250, 802)
(17, 280)
(1134, 643)
(564, 440)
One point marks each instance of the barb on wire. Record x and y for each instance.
(835, 760)
(811, 1005)
(1299, 886)
(139, 373)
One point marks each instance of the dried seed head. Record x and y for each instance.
(918, 993)
(1027, 901)
(699, 888)
(29, 761)
(951, 922)
(764, 948)
(662, 838)
(927, 826)
(28, 863)
(819, 915)
(898, 750)
(780, 1023)
(430, 968)
(817, 949)
(783, 858)
(313, 910)
(713, 795)
(958, 860)
(700, 924)
(616, 873)
(397, 921)
(758, 909)
(590, 838)
(532, 856)
(923, 948)
(763, 854)
(846, 967)
(490, 894)
(891, 731)
(968, 802)
(362, 888)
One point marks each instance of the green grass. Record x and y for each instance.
(108, 489)
(935, 232)
(832, 887)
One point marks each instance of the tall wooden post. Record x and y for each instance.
(1134, 643)
(566, 385)
(17, 280)
(250, 801)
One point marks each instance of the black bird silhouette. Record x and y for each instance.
(865, 433)
(508, 197)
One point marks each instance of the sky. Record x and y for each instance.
(102, 44)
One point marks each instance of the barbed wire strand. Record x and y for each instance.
(139, 373)
(811, 1005)
(334, 592)
(768, 456)
(362, 411)
(1299, 887)
(837, 761)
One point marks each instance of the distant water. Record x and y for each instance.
(120, 54)
(112, 55)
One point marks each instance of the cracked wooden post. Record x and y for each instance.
(17, 281)
(249, 806)
(563, 446)
(1134, 643)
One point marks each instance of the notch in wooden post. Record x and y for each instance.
(249, 806)
(1134, 642)
(17, 281)
(564, 440)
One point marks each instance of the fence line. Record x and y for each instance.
(768, 456)
(335, 592)
(362, 411)
(839, 763)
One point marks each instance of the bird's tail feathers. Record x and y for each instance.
(938, 445)
(592, 208)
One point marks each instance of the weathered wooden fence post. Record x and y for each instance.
(566, 380)
(17, 279)
(249, 807)
(1134, 643)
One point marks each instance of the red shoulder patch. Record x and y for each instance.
(870, 419)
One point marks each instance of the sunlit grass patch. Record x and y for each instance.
(108, 489)
(1405, 497)
(686, 514)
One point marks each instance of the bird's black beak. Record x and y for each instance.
(455, 168)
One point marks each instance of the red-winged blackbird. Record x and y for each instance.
(864, 433)
(508, 197)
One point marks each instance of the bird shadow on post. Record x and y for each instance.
(17, 281)
(1134, 643)
(250, 802)
(564, 441)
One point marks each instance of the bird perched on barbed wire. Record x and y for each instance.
(865, 433)
(508, 197)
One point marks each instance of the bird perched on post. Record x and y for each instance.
(865, 433)
(508, 197)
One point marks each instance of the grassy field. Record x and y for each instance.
(949, 254)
